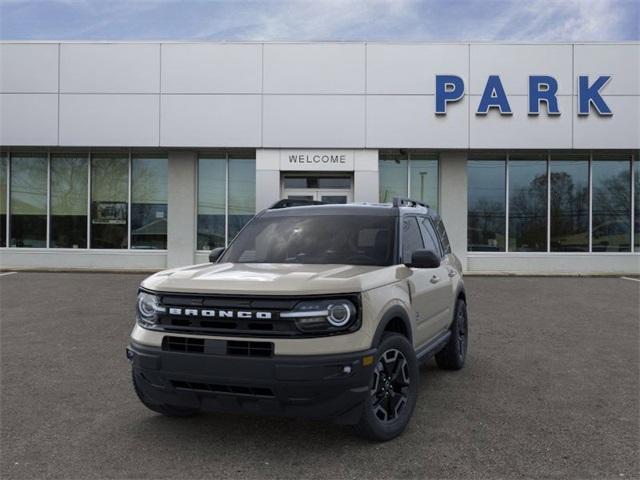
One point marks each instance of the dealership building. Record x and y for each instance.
(148, 155)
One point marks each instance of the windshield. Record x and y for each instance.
(318, 239)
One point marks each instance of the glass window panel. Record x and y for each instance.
(424, 179)
(636, 188)
(211, 202)
(69, 178)
(149, 194)
(411, 238)
(429, 236)
(487, 205)
(28, 201)
(334, 182)
(393, 176)
(569, 203)
(296, 182)
(611, 230)
(242, 193)
(3, 199)
(528, 204)
(109, 197)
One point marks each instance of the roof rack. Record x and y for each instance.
(294, 202)
(407, 202)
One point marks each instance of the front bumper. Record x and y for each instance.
(315, 386)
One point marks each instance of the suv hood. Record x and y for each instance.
(271, 278)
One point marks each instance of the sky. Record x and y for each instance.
(321, 20)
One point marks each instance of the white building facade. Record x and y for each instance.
(147, 155)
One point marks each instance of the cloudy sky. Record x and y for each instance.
(273, 20)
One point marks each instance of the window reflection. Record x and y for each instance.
(149, 194)
(424, 179)
(392, 175)
(570, 203)
(611, 230)
(487, 205)
(4, 161)
(109, 197)
(242, 193)
(28, 201)
(212, 173)
(69, 178)
(528, 203)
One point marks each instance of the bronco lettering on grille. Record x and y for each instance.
(243, 314)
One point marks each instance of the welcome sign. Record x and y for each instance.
(317, 160)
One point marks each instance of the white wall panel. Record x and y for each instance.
(621, 130)
(109, 120)
(211, 68)
(28, 68)
(521, 130)
(620, 61)
(313, 121)
(211, 120)
(409, 121)
(28, 119)
(314, 68)
(514, 64)
(110, 68)
(411, 69)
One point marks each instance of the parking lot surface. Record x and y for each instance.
(550, 390)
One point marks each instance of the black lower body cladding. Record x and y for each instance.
(315, 386)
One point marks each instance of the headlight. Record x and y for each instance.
(323, 315)
(148, 309)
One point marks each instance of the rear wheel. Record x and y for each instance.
(453, 355)
(393, 390)
(167, 410)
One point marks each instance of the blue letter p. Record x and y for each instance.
(449, 88)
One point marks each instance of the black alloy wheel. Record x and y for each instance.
(390, 389)
(393, 390)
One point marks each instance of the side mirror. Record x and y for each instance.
(215, 254)
(424, 259)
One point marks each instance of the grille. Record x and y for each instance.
(228, 389)
(250, 349)
(183, 344)
(249, 327)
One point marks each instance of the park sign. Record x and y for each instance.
(542, 89)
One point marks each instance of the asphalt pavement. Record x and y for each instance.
(550, 390)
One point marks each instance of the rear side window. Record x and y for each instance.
(430, 238)
(444, 239)
(411, 238)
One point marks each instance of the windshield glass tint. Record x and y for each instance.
(317, 239)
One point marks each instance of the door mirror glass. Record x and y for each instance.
(215, 254)
(424, 259)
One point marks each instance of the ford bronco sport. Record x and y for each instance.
(320, 311)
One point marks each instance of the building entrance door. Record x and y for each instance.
(328, 189)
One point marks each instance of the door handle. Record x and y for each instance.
(452, 273)
(435, 279)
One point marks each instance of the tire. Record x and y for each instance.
(454, 354)
(167, 410)
(393, 390)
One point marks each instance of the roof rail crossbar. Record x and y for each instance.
(407, 202)
(293, 202)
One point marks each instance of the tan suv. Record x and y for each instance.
(318, 311)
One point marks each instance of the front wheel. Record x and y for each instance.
(393, 390)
